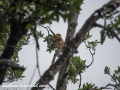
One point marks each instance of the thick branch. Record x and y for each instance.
(71, 28)
(73, 45)
(12, 64)
(17, 30)
(62, 78)
(16, 34)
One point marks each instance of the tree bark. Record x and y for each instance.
(62, 78)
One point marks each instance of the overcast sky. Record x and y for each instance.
(106, 54)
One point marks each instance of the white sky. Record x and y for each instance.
(106, 54)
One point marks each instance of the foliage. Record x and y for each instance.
(76, 67)
(115, 77)
(88, 86)
(50, 43)
(112, 29)
(13, 75)
(39, 11)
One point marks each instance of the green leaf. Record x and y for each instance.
(118, 68)
(103, 36)
(107, 70)
(1, 3)
(29, 25)
(12, 8)
(104, 22)
(118, 78)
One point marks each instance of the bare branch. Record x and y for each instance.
(91, 54)
(36, 39)
(45, 28)
(51, 86)
(80, 80)
(32, 77)
(48, 29)
(51, 31)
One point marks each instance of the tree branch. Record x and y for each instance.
(17, 30)
(62, 77)
(114, 85)
(100, 26)
(74, 43)
(91, 54)
(80, 80)
(12, 64)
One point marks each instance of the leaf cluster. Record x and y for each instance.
(76, 67)
(115, 77)
(111, 30)
(50, 42)
(35, 12)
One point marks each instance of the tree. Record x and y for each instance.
(19, 20)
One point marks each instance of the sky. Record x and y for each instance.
(106, 54)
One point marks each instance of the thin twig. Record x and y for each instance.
(114, 85)
(48, 29)
(45, 28)
(92, 58)
(113, 78)
(91, 54)
(36, 46)
(36, 39)
(51, 86)
(51, 30)
(38, 65)
(37, 49)
(32, 77)
(34, 30)
(80, 80)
